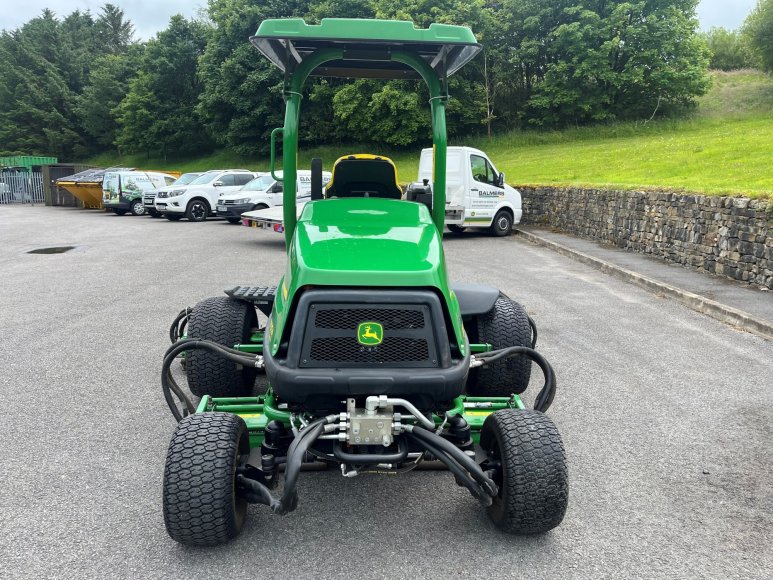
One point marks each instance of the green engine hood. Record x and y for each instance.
(360, 242)
(366, 242)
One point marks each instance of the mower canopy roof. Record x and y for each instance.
(367, 46)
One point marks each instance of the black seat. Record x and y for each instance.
(364, 176)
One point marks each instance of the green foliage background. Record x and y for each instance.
(81, 85)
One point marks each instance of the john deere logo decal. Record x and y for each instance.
(370, 333)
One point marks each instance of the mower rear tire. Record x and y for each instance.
(200, 504)
(532, 474)
(506, 324)
(228, 322)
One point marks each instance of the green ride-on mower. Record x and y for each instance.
(374, 362)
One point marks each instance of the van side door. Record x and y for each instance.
(484, 191)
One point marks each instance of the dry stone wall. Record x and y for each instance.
(728, 236)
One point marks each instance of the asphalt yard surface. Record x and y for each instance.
(667, 417)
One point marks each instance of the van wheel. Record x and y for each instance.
(455, 229)
(197, 210)
(137, 208)
(502, 224)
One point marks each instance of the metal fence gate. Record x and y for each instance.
(21, 187)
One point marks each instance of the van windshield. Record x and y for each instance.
(259, 184)
(186, 178)
(202, 179)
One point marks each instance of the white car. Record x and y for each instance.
(262, 193)
(197, 200)
(149, 199)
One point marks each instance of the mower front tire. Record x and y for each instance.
(531, 471)
(200, 504)
(506, 324)
(227, 322)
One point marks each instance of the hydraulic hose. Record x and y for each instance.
(178, 326)
(169, 385)
(547, 393)
(457, 454)
(533, 326)
(370, 458)
(255, 492)
(461, 475)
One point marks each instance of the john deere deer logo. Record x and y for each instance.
(370, 333)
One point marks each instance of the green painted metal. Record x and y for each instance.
(445, 47)
(371, 242)
(272, 163)
(290, 135)
(480, 347)
(26, 161)
(257, 412)
(251, 348)
(372, 30)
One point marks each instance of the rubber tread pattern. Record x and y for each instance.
(534, 491)
(228, 322)
(507, 324)
(199, 502)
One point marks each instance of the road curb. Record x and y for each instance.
(717, 310)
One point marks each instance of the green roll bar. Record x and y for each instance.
(292, 119)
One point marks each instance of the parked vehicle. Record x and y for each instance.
(476, 193)
(122, 190)
(478, 196)
(149, 198)
(262, 193)
(197, 200)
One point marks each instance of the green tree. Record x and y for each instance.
(159, 112)
(116, 33)
(97, 105)
(758, 28)
(729, 49)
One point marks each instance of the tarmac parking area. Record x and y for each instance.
(666, 414)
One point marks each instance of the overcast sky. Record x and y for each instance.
(150, 16)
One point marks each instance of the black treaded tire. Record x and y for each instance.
(533, 482)
(137, 207)
(197, 210)
(120, 211)
(502, 224)
(173, 217)
(232, 220)
(199, 498)
(228, 322)
(456, 229)
(507, 324)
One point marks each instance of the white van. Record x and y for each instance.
(262, 193)
(122, 191)
(476, 193)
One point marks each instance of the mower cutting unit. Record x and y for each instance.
(373, 361)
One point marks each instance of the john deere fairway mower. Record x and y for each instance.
(374, 362)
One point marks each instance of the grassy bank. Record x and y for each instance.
(725, 147)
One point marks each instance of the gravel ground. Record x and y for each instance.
(667, 417)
